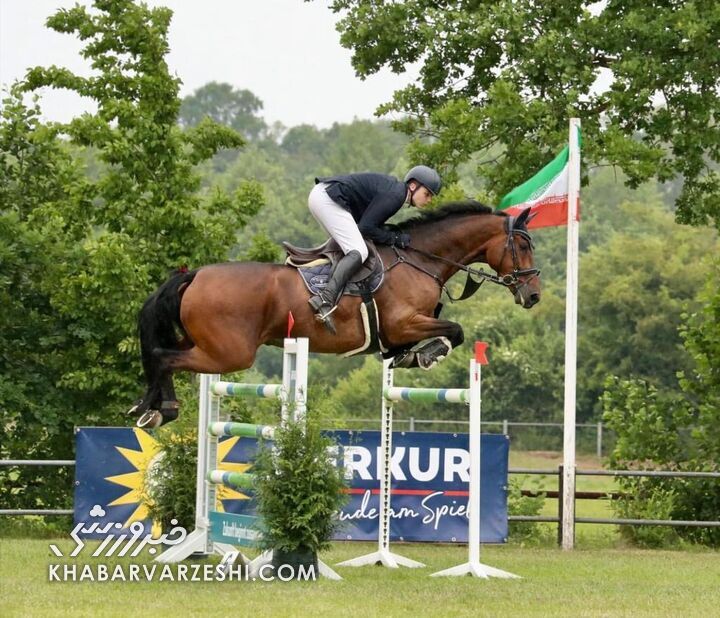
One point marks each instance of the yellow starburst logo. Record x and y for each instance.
(143, 459)
(134, 481)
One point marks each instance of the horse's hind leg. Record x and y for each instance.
(164, 407)
(169, 404)
(198, 360)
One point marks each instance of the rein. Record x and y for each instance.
(471, 285)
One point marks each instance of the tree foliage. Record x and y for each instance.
(225, 105)
(701, 334)
(662, 430)
(635, 289)
(81, 251)
(502, 77)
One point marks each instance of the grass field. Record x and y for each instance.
(606, 582)
(601, 577)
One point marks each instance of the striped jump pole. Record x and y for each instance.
(242, 480)
(242, 430)
(427, 395)
(262, 391)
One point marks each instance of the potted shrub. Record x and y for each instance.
(299, 490)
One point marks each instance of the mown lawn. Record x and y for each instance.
(599, 582)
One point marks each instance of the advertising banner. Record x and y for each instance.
(429, 491)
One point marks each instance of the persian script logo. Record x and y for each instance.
(120, 545)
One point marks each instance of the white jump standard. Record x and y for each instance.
(472, 396)
(383, 555)
(473, 566)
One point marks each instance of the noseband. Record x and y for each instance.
(509, 280)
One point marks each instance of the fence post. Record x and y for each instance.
(412, 423)
(560, 504)
(599, 439)
(505, 427)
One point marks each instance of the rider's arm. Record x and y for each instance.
(382, 207)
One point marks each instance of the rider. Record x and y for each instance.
(355, 206)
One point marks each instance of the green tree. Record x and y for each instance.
(82, 253)
(634, 290)
(701, 335)
(504, 76)
(225, 105)
(40, 241)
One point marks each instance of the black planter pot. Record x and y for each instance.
(301, 557)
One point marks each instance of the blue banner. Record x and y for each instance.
(110, 467)
(429, 488)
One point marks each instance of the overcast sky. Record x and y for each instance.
(286, 52)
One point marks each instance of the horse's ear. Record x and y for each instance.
(523, 218)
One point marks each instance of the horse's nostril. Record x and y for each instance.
(535, 298)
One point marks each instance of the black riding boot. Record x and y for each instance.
(324, 302)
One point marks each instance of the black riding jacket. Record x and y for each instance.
(371, 199)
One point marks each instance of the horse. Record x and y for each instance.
(214, 319)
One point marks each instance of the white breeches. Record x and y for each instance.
(337, 221)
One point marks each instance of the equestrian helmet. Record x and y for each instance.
(426, 176)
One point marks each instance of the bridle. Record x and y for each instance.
(518, 278)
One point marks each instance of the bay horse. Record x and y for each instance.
(214, 319)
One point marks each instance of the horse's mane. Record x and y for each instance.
(470, 207)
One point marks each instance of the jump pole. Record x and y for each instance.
(473, 566)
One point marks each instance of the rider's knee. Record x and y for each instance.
(363, 251)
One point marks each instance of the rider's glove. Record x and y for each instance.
(401, 240)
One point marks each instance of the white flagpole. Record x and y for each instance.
(571, 295)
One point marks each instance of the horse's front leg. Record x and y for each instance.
(443, 337)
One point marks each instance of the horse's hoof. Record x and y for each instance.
(433, 352)
(150, 420)
(427, 362)
(404, 360)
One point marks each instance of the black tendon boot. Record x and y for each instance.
(323, 304)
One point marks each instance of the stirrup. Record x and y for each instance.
(324, 316)
(322, 308)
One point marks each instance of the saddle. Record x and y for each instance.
(315, 265)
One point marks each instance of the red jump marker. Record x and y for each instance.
(291, 323)
(480, 347)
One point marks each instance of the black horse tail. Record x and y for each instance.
(159, 326)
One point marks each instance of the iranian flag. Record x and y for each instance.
(546, 193)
